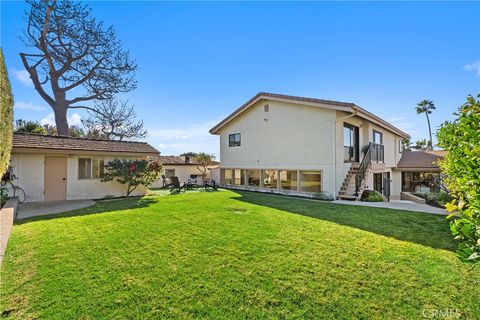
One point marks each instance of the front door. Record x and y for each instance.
(55, 178)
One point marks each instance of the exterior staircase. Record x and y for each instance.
(347, 190)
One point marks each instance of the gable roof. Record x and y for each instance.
(178, 160)
(36, 141)
(425, 159)
(328, 104)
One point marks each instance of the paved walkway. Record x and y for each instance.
(397, 204)
(33, 209)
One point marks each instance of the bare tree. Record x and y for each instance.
(203, 161)
(76, 59)
(114, 120)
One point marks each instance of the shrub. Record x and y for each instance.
(132, 172)
(373, 196)
(324, 196)
(6, 117)
(3, 197)
(436, 198)
(461, 166)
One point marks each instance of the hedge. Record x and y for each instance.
(6, 117)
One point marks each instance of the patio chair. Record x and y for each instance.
(175, 185)
(210, 184)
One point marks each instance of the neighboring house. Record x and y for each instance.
(297, 145)
(418, 171)
(52, 168)
(183, 167)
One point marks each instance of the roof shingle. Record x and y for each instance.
(36, 141)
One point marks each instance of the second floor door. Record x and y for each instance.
(350, 143)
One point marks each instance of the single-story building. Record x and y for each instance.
(419, 171)
(51, 168)
(183, 167)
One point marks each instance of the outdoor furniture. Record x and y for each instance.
(210, 184)
(166, 182)
(176, 186)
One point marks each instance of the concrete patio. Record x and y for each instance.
(397, 204)
(33, 209)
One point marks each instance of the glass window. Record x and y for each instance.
(270, 178)
(288, 180)
(253, 178)
(239, 177)
(84, 168)
(227, 176)
(377, 137)
(266, 108)
(90, 168)
(234, 140)
(310, 181)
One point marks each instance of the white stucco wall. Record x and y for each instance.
(298, 137)
(183, 172)
(94, 188)
(289, 136)
(30, 170)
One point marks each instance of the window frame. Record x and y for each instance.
(233, 141)
(100, 168)
(381, 136)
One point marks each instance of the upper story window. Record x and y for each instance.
(377, 137)
(266, 108)
(234, 140)
(90, 168)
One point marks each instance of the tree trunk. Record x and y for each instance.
(61, 120)
(430, 132)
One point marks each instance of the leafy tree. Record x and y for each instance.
(132, 172)
(190, 154)
(461, 166)
(114, 120)
(6, 117)
(76, 131)
(30, 126)
(203, 160)
(407, 145)
(80, 58)
(421, 145)
(426, 106)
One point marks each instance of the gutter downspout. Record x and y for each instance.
(354, 113)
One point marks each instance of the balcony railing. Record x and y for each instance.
(374, 153)
(377, 152)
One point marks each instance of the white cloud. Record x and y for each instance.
(28, 106)
(475, 67)
(23, 77)
(194, 137)
(402, 123)
(74, 119)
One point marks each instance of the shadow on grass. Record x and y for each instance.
(421, 228)
(101, 206)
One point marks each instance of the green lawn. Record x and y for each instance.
(234, 255)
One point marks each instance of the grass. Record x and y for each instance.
(234, 255)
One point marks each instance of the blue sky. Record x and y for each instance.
(198, 61)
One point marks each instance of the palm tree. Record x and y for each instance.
(426, 106)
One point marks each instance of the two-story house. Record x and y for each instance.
(297, 145)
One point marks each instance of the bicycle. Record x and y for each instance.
(12, 190)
